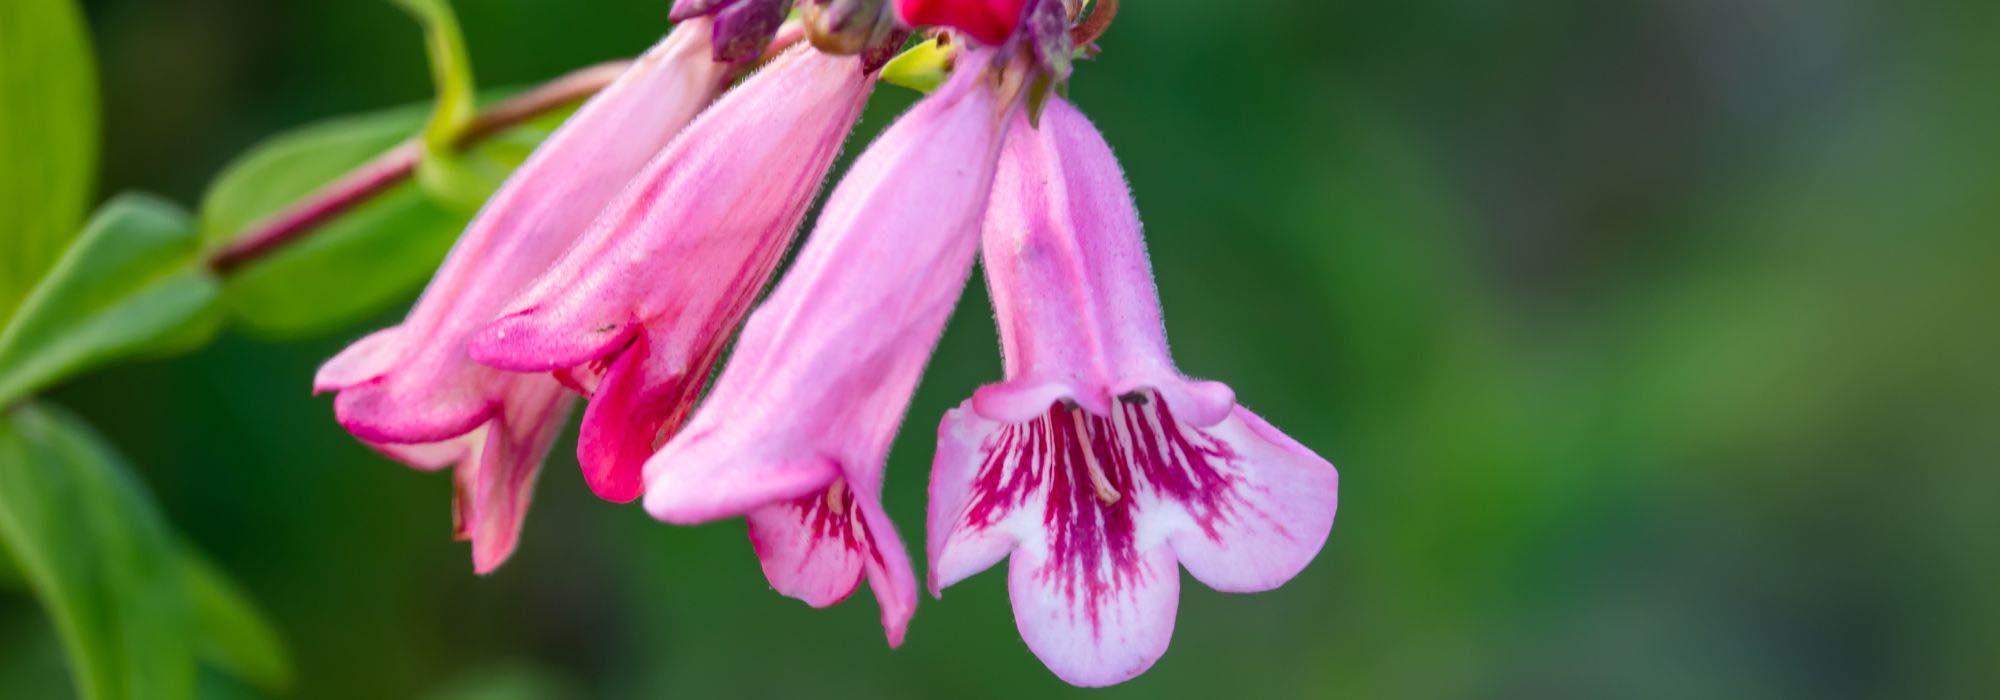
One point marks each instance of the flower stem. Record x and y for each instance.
(1094, 26)
(397, 164)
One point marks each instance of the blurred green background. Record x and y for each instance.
(1653, 340)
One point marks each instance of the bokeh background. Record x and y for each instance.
(1653, 339)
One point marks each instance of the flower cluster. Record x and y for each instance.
(618, 262)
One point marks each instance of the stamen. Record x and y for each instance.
(836, 500)
(1105, 492)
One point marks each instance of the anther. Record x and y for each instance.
(836, 497)
(1105, 492)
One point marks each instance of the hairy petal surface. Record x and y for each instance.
(642, 305)
(825, 369)
(818, 548)
(1073, 294)
(414, 385)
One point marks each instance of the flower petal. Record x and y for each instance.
(826, 367)
(964, 538)
(661, 279)
(415, 384)
(818, 548)
(1073, 294)
(370, 357)
(1097, 621)
(1096, 510)
(1092, 576)
(638, 401)
(496, 480)
(432, 456)
(1285, 500)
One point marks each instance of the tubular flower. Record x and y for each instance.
(637, 313)
(1096, 466)
(412, 392)
(797, 428)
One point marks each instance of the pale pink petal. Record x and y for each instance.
(811, 548)
(370, 357)
(415, 384)
(496, 480)
(413, 393)
(825, 368)
(1285, 500)
(432, 456)
(1096, 510)
(964, 531)
(1095, 620)
(1092, 576)
(819, 548)
(653, 290)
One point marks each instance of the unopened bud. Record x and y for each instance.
(849, 27)
(743, 28)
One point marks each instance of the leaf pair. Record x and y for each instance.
(133, 605)
(134, 608)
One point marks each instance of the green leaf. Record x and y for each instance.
(291, 165)
(358, 263)
(97, 554)
(10, 575)
(48, 137)
(231, 633)
(132, 284)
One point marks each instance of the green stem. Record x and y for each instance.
(444, 171)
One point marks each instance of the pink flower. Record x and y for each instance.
(412, 391)
(798, 427)
(637, 313)
(989, 21)
(1097, 466)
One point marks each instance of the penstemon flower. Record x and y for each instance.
(1097, 466)
(797, 429)
(412, 392)
(636, 314)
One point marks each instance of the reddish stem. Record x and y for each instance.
(1094, 26)
(397, 164)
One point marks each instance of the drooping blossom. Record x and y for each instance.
(1097, 467)
(636, 314)
(797, 429)
(411, 390)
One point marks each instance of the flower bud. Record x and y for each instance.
(849, 27)
(743, 28)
